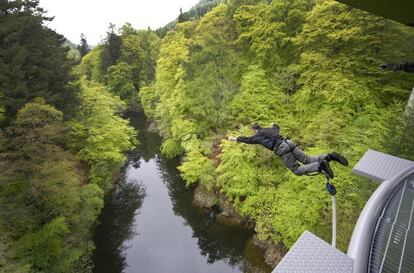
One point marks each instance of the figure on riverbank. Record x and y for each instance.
(290, 154)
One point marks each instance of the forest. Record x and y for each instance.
(311, 66)
(62, 144)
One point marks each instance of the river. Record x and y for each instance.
(149, 225)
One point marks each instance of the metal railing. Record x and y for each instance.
(361, 241)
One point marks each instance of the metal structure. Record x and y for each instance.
(380, 167)
(383, 238)
(312, 254)
(370, 232)
(393, 241)
(398, 10)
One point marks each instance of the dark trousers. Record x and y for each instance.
(291, 154)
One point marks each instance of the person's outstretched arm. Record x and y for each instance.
(249, 140)
(407, 67)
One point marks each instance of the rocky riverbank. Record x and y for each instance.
(224, 212)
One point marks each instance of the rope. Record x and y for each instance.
(332, 191)
(333, 221)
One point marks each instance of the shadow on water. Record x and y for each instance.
(116, 226)
(149, 141)
(215, 241)
(118, 221)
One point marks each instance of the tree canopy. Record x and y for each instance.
(61, 143)
(34, 61)
(310, 66)
(83, 47)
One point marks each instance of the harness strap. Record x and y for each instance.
(288, 151)
(313, 174)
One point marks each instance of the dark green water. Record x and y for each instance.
(149, 225)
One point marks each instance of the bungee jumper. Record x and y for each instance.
(406, 67)
(290, 154)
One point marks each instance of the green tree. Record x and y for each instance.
(44, 249)
(99, 135)
(111, 48)
(127, 30)
(150, 45)
(39, 190)
(257, 97)
(119, 80)
(187, 107)
(339, 67)
(140, 50)
(83, 47)
(311, 67)
(183, 16)
(148, 99)
(276, 23)
(33, 60)
(90, 66)
(132, 56)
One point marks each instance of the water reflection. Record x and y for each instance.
(149, 141)
(117, 226)
(168, 234)
(215, 241)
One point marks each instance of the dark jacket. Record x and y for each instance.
(268, 137)
(407, 67)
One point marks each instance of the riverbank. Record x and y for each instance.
(149, 223)
(225, 213)
(220, 209)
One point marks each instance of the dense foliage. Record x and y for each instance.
(56, 158)
(310, 66)
(33, 61)
(124, 63)
(83, 47)
(44, 207)
(99, 135)
(196, 12)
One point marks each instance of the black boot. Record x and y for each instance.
(325, 168)
(338, 158)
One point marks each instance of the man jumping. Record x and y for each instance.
(290, 153)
